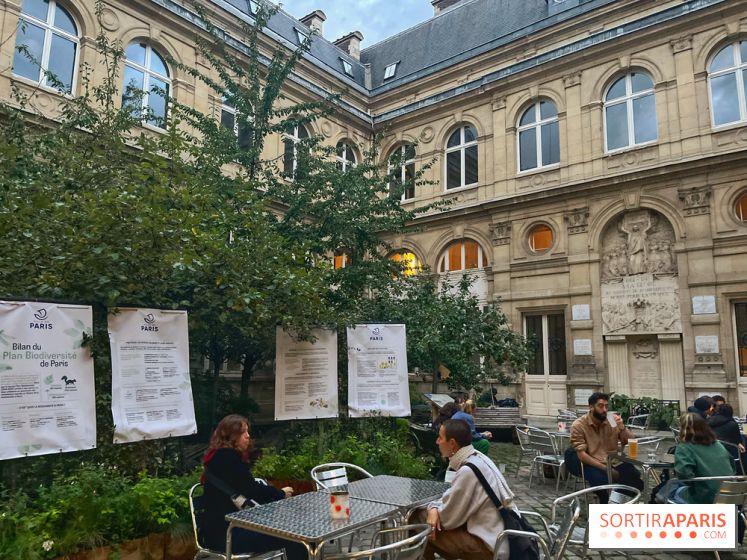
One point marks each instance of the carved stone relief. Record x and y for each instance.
(500, 233)
(696, 201)
(640, 292)
(577, 220)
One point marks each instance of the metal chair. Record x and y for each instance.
(545, 447)
(197, 510)
(675, 433)
(332, 475)
(522, 435)
(407, 547)
(736, 455)
(638, 422)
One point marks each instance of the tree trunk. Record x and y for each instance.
(250, 361)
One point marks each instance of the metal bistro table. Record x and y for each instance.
(403, 493)
(644, 463)
(305, 518)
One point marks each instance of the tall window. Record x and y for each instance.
(740, 208)
(342, 259)
(233, 121)
(740, 318)
(401, 169)
(539, 136)
(345, 158)
(547, 333)
(46, 44)
(409, 261)
(294, 134)
(465, 254)
(461, 158)
(146, 83)
(727, 76)
(630, 112)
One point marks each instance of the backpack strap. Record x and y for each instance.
(488, 490)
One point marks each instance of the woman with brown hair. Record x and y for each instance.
(698, 454)
(480, 440)
(227, 474)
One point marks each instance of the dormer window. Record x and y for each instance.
(301, 34)
(390, 70)
(347, 67)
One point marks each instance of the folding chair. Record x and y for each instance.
(545, 447)
(408, 547)
(522, 435)
(331, 475)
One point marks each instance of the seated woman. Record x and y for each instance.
(227, 468)
(479, 439)
(445, 413)
(698, 454)
(727, 430)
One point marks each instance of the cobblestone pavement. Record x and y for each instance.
(540, 496)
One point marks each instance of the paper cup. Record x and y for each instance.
(339, 505)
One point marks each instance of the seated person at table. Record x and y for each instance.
(592, 437)
(465, 522)
(479, 439)
(227, 460)
(698, 454)
(727, 430)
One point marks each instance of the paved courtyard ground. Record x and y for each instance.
(540, 496)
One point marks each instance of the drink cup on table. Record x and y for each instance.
(562, 427)
(633, 448)
(339, 505)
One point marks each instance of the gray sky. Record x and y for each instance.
(376, 19)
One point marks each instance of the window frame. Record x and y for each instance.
(342, 163)
(147, 74)
(407, 270)
(537, 124)
(49, 31)
(391, 70)
(741, 220)
(347, 67)
(628, 101)
(546, 373)
(296, 139)
(528, 238)
(462, 148)
(443, 260)
(403, 164)
(226, 107)
(741, 93)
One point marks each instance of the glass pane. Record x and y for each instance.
(617, 126)
(644, 119)
(540, 238)
(133, 84)
(528, 149)
(547, 110)
(288, 157)
(723, 60)
(617, 90)
(136, 53)
(409, 181)
(470, 165)
(454, 169)
(350, 154)
(528, 116)
(725, 99)
(62, 20)
(740, 314)
(228, 120)
(36, 8)
(409, 150)
(470, 255)
(340, 148)
(556, 343)
(62, 61)
(454, 139)
(157, 64)
(641, 82)
(157, 101)
(536, 365)
(741, 209)
(550, 143)
(302, 132)
(470, 134)
(246, 136)
(743, 51)
(31, 38)
(455, 256)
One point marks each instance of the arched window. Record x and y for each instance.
(146, 83)
(727, 76)
(46, 44)
(740, 208)
(540, 238)
(342, 259)
(401, 170)
(410, 262)
(345, 158)
(464, 254)
(630, 112)
(461, 158)
(231, 119)
(539, 136)
(293, 135)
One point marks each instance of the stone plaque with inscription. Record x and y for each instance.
(645, 374)
(581, 312)
(582, 347)
(704, 305)
(706, 344)
(641, 304)
(581, 397)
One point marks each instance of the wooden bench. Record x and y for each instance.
(498, 418)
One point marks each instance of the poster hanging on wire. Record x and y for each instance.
(377, 371)
(47, 396)
(151, 388)
(306, 376)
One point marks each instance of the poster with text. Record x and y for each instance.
(151, 388)
(377, 371)
(47, 398)
(306, 376)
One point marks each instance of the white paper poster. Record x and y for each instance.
(306, 376)
(377, 371)
(47, 398)
(151, 388)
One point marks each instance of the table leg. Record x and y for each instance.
(228, 540)
(315, 552)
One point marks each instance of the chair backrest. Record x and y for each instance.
(197, 510)
(522, 434)
(542, 442)
(649, 442)
(676, 434)
(406, 546)
(638, 422)
(733, 489)
(332, 475)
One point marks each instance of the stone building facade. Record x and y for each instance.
(595, 152)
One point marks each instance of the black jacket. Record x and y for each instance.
(226, 464)
(726, 429)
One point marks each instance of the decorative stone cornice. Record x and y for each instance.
(577, 220)
(571, 80)
(500, 233)
(696, 200)
(681, 44)
(499, 102)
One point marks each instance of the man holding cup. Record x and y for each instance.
(593, 436)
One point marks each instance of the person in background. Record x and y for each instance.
(727, 430)
(227, 460)
(698, 454)
(445, 412)
(718, 400)
(702, 405)
(480, 440)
